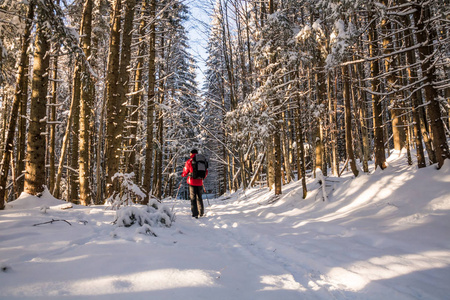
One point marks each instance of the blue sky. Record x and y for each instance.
(197, 27)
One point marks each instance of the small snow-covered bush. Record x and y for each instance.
(154, 214)
(125, 191)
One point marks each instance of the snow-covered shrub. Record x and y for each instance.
(125, 191)
(321, 180)
(154, 214)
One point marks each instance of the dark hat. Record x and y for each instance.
(194, 151)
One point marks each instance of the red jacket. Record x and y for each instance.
(188, 169)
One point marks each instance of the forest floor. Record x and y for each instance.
(385, 235)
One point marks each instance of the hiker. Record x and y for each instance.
(197, 169)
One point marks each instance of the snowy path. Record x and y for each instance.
(274, 257)
(380, 236)
(246, 262)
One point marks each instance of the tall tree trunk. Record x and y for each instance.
(73, 109)
(425, 37)
(319, 152)
(157, 178)
(52, 133)
(225, 176)
(348, 122)
(362, 118)
(20, 97)
(333, 129)
(380, 158)
(114, 105)
(285, 146)
(85, 105)
(398, 129)
(270, 174)
(137, 96)
(151, 101)
(356, 137)
(4, 122)
(300, 145)
(416, 99)
(35, 164)
(276, 147)
(74, 132)
(22, 134)
(277, 155)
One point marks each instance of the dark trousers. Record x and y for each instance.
(195, 194)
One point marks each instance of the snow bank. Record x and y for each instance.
(27, 201)
(383, 235)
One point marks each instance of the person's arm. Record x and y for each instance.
(187, 168)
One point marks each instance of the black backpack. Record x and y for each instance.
(199, 166)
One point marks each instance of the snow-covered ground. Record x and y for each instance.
(380, 236)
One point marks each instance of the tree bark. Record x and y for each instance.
(150, 102)
(74, 133)
(333, 128)
(380, 158)
(398, 129)
(425, 37)
(52, 127)
(348, 122)
(300, 146)
(73, 107)
(270, 174)
(35, 164)
(20, 97)
(114, 106)
(85, 105)
(157, 178)
(136, 99)
(416, 99)
(362, 119)
(318, 124)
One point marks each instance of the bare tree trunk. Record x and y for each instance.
(380, 158)
(114, 106)
(300, 146)
(285, 147)
(277, 157)
(73, 108)
(151, 101)
(52, 133)
(362, 119)
(416, 99)
(35, 164)
(356, 137)
(317, 132)
(348, 122)
(74, 132)
(99, 177)
(157, 178)
(270, 174)
(85, 106)
(5, 111)
(20, 96)
(425, 37)
(333, 128)
(398, 129)
(22, 134)
(137, 96)
(229, 172)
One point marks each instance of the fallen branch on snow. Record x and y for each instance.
(51, 222)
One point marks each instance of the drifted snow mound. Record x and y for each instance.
(154, 214)
(27, 201)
